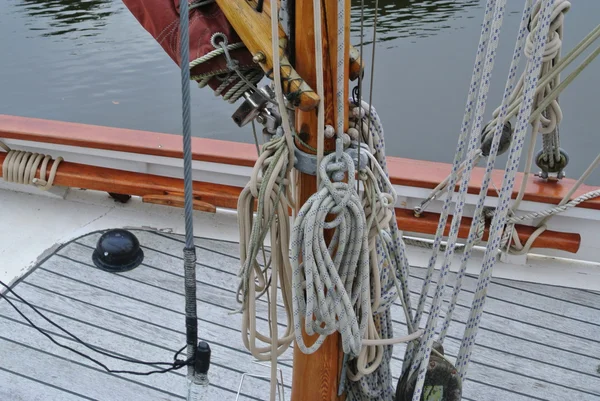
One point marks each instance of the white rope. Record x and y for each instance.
(499, 220)
(20, 167)
(248, 79)
(564, 204)
(478, 223)
(344, 276)
(473, 89)
(341, 70)
(320, 87)
(369, 374)
(421, 361)
(269, 185)
(555, 210)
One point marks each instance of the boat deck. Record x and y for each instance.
(536, 342)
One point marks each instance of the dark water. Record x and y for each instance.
(90, 61)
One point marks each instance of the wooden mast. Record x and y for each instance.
(316, 376)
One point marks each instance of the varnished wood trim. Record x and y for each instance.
(408, 172)
(124, 140)
(427, 224)
(104, 179)
(166, 190)
(177, 200)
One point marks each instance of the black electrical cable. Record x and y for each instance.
(176, 364)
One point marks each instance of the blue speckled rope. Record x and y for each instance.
(500, 218)
(422, 357)
(340, 268)
(391, 259)
(466, 123)
(477, 214)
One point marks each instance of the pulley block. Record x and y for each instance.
(442, 381)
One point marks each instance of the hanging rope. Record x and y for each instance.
(478, 223)
(409, 359)
(370, 373)
(421, 360)
(335, 277)
(498, 222)
(269, 187)
(271, 217)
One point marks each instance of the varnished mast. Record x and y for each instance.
(316, 376)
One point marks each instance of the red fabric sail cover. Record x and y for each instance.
(161, 19)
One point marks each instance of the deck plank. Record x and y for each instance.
(540, 371)
(536, 342)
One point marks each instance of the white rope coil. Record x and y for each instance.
(369, 375)
(335, 277)
(271, 218)
(20, 167)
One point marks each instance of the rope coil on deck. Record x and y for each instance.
(20, 167)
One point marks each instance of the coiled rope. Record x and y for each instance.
(20, 167)
(246, 79)
(370, 373)
(335, 277)
(271, 217)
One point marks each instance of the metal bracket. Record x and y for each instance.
(255, 103)
(307, 163)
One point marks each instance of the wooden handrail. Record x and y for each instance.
(427, 224)
(166, 190)
(408, 172)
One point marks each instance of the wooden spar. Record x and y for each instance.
(208, 196)
(254, 28)
(316, 376)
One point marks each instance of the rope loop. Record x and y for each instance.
(335, 277)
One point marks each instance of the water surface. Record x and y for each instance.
(89, 61)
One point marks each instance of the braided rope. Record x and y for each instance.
(421, 361)
(271, 218)
(478, 222)
(555, 210)
(499, 220)
(369, 375)
(344, 276)
(473, 88)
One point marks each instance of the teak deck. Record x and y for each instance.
(536, 342)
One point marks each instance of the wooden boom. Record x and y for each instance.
(254, 28)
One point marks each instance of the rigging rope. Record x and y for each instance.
(478, 223)
(248, 79)
(421, 360)
(533, 71)
(409, 360)
(351, 282)
(269, 185)
(370, 374)
(189, 251)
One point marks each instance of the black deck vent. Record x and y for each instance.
(117, 251)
